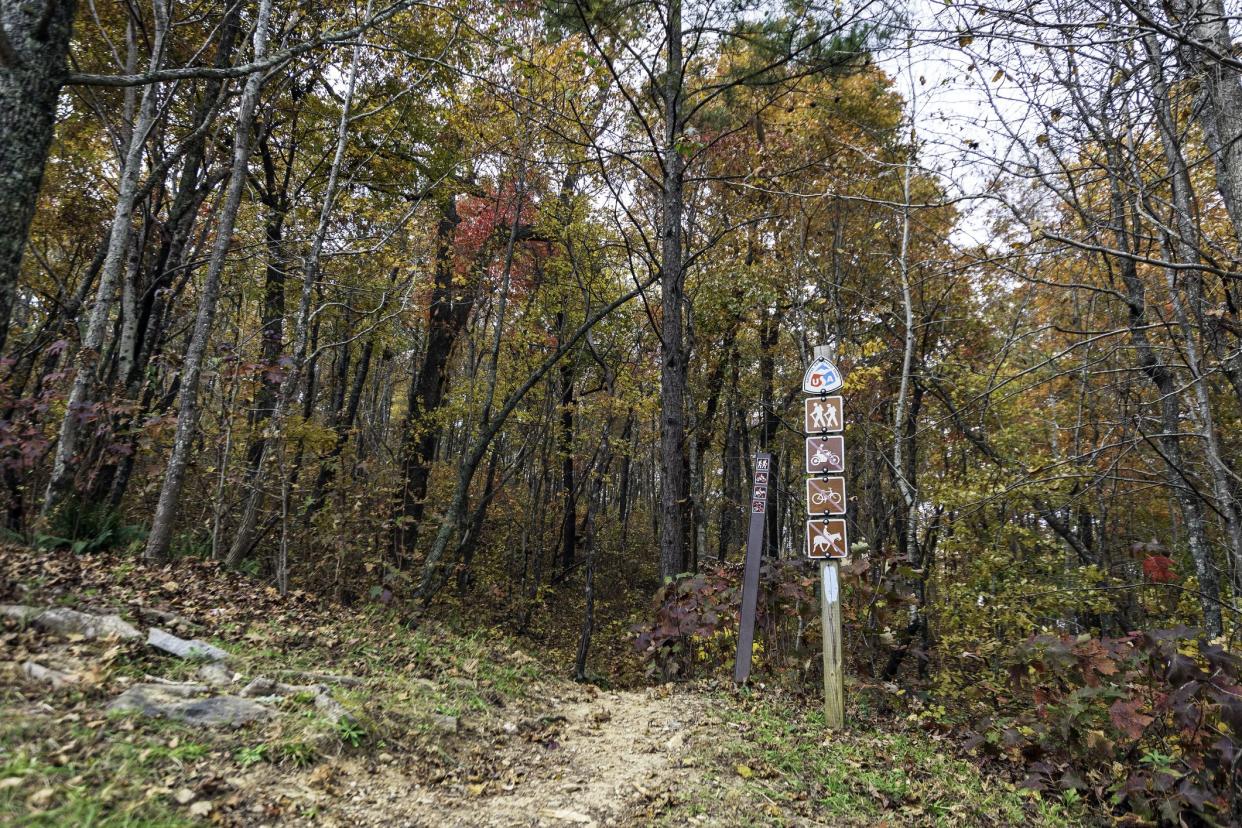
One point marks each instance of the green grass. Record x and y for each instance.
(777, 764)
(80, 767)
(103, 782)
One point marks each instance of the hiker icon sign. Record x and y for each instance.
(821, 377)
(822, 415)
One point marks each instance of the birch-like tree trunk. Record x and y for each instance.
(86, 363)
(191, 369)
(244, 539)
(1205, 28)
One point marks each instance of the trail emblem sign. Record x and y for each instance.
(823, 415)
(825, 455)
(822, 377)
(825, 496)
(826, 538)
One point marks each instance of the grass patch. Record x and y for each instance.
(91, 777)
(776, 764)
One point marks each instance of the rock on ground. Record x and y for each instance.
(169, 701)
(182, 648)
(64, 621)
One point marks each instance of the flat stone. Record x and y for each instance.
(445, 724)
(180, 647)
(65, 621)
(260, 686)
(19, 613)
(214, 711)
(56, 678)
(215, 674)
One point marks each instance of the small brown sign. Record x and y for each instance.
(826, 538)
(760, 493)
(823, 415)
(825, 496)
(757, 507)
(825, 455)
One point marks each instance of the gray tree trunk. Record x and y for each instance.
(1170, 411)
(1186, 287)
(86, 363)
(1220, 105)
(244, 539)
(191, 369)
(34, 45)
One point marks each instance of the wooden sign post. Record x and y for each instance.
(750, 576)
(826, 537)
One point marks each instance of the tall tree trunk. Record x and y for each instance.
(565, 450)
(34, 46)
(305, 340)
(446, 318)
(1187, 287)
(732, 495)
(191, 369)
(1170, 408)
(1206, 26)
(86, 363)
(674, 486)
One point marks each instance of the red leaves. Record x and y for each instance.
(1126, 717)
(1159, 569)
(487, 220)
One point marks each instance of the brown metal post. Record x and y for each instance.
(750, 576)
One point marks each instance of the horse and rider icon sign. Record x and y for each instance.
(826, 539)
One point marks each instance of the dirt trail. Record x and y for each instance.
(614, 759)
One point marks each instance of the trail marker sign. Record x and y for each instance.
(821, 377)
(825, 495)
(823, 415)
(826, 537)
(750, 575)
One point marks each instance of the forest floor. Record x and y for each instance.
(379, 724)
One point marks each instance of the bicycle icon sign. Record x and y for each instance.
(825, 496)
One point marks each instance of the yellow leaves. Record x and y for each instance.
(744, 771)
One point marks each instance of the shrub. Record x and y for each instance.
(1150, 722)
(694, 619)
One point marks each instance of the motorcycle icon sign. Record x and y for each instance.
(825, 455)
